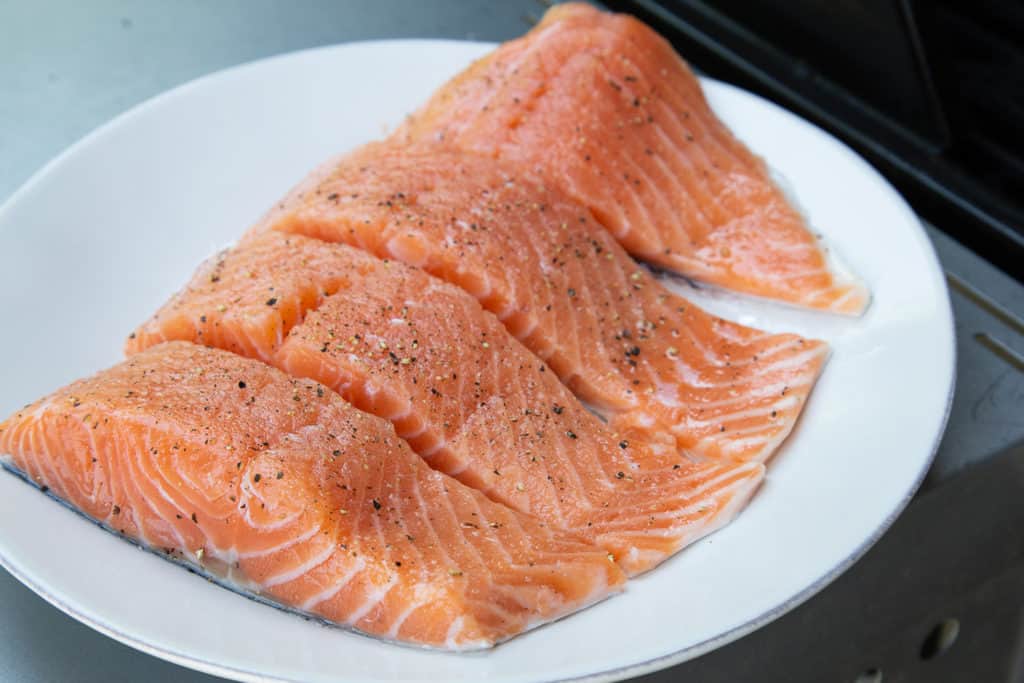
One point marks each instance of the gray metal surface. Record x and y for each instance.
(988, 409)
(68, 66)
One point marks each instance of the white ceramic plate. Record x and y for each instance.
(102, 235)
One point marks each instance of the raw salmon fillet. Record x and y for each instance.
(601, 107)
(643, 357)
(285, 489)
(467, 396)
(282, 278)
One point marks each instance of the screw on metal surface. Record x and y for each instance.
(871, 675)
(940, 638)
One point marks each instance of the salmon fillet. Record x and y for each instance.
(645, 358)
(248, 308)
(289, 492)
(467, 396)
(601, 107)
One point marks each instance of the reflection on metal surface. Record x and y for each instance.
(1000, 349)
(1001, 313)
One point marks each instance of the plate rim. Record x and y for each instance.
(614, 674)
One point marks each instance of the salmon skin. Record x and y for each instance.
(646, 359)
(283, 488)
(601, 107)
(467, 396)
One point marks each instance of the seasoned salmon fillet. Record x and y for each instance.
(466, 395)
(642, 356)
(601, 107)
(286, 490)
